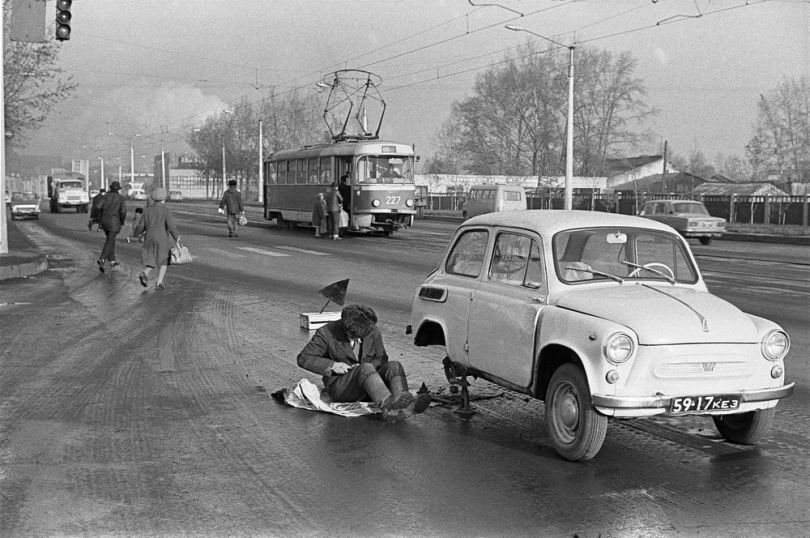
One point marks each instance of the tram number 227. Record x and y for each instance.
(392, 200)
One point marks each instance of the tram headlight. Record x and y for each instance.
(409, 202)
(375, 203)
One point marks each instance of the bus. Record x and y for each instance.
(380, 175)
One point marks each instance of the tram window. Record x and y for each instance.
(282, 172)
(300, 172)
(312, 178)
(326, 170)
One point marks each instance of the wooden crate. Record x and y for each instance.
(313, 320)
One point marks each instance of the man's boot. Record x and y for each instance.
(407, 404)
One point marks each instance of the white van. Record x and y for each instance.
(490, 198)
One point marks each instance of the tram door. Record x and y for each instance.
(345, 169)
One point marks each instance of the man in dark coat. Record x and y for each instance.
(112, 215)
(350, 355)
(95, 209)
(231, 205)
(345, 191)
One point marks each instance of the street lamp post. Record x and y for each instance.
(569, 142)
(103, 184)
(261, 165)
(224, 180)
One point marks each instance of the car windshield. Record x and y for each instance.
(24, 197)
(385, 169)
(71, 185)
(695, 208)
(596, 254)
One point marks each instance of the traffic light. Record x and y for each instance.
(63, 19)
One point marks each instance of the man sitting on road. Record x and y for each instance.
(350, 355)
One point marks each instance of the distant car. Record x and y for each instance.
(24, 204)
(137, 194)
(600, 315)
(175, 196)
(689, 217)
(489, 198)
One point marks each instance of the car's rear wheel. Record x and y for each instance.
(705, 240)
(745, 428)
(577, 431)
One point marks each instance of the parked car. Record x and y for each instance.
(489, 198)
(600, 315)
(24, 204)
(175, 196)
(689, 217)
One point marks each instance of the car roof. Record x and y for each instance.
(551, 221)
(490, 187)
(678, 200)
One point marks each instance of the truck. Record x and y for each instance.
(68, 191)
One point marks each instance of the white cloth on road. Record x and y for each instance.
(307, 395)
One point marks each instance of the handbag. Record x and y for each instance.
(180, 254)
(242, 220)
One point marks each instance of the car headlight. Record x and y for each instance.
(409, 202)
(375, 203)
(775, 345)
(618, 348)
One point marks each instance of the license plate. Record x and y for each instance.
(695, 404)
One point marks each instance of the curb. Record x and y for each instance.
(37, 265)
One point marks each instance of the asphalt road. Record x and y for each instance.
(142, 412)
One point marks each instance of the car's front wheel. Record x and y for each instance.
(745, 428)
(577, 431)
(705, 240)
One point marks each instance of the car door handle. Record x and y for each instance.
(538, 299)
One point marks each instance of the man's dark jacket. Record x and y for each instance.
(331, 344)
(113, 212)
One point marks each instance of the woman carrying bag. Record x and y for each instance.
(158, 225)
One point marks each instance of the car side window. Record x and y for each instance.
(516, 261)
(467, 255)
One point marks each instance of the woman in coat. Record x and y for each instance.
(319, 216)
(158, 225)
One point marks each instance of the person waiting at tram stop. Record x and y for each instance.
(319, 216)
(345, 191)
(334, 201)
(350, 355)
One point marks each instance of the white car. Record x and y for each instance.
(600, 315)
(24, 204)
(689, 217)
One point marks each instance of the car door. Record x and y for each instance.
(460, 278)
(506, 307)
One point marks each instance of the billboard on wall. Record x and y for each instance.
(80, 166)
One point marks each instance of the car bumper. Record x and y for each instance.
(698, 233)
(662, 403)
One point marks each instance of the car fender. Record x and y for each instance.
(568, 336)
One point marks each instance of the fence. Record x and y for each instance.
(742, 209)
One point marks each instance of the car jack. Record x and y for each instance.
(465, 409)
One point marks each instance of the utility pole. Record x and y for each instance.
(664, 174)
(3, 229)
(261, 165)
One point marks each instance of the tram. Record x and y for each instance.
(380, 175)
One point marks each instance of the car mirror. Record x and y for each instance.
(616, 239)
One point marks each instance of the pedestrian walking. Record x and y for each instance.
(334, 203)
(158, 227)
(350, 355)
(135, 220)
(231, 205)
(319, 216)
(112, 215)
(95, 210)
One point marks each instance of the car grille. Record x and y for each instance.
(702, 369)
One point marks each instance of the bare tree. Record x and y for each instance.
(515, 121)
(782, 136)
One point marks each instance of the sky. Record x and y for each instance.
(150, 70)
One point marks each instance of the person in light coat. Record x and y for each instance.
(158, 226)
(319, 220)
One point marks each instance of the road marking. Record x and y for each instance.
(225, 252)
(305, 251)
(263, 252)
